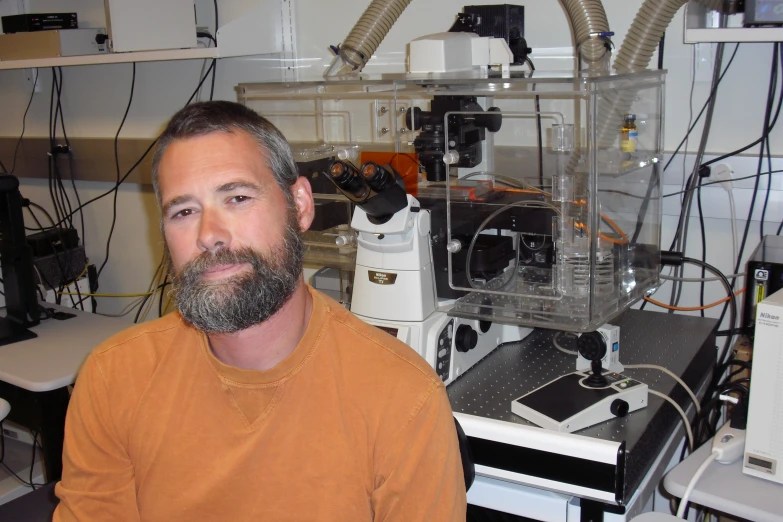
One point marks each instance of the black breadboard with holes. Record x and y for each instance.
(683, 344)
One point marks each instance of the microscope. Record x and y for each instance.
(394, 282)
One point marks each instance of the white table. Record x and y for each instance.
(34, 375)
(725, 488)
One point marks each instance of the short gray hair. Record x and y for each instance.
(204, 118)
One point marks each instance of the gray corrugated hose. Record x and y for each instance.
(635, 54)
(588, 22)
(366, 36)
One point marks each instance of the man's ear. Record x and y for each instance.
(302, 193)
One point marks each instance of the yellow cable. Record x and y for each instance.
(106, 295)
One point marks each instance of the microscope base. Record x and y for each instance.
(567, 404)
(436, 339)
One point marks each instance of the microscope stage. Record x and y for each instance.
(567, 404)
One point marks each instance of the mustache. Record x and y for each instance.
(223, 256)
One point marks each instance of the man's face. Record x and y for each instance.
(231, 234)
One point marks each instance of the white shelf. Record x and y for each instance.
(734, 34)
(104, 58)
(702, 25)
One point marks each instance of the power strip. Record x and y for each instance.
(15, 432)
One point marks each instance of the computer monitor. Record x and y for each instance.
(22, 309)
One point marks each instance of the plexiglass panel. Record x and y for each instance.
(544, 190)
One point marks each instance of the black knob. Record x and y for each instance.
(490, 120)
(591, 346)
(619, 408)
(413, 118)
(466, 338)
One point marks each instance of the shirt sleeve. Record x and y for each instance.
(421, 478)
(98, 478)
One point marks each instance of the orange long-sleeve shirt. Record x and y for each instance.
(352, 426)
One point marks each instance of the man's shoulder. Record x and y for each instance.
(145, 341)
(374, 350)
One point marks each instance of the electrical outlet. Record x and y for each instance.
(15, 432)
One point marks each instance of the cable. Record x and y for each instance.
(539, 131)
(733, 213)
(766, 129)
(693, 308)
(721, 181)
(681, 236)
(128, 309)
(685, 421)
(8, 469)
(214, 61)
(138, 162)
(24, 124)
(704, 107)
(560, 347)
(673, 376)
(699, 279)
(153, 285)
(117, 165)
(692, 484)
(779, 52)
(109, 295)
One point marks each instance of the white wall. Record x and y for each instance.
(94, 98)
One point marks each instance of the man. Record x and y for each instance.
(261, 399)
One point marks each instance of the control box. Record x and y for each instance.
(51, 44)
(150, 25)
(765, 277)
(568, 404)
(24, 23)
(763, 448)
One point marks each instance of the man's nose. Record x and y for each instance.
(213, 232)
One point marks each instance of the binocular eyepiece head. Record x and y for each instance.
(377, 189)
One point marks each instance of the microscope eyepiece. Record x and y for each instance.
(376, 176)
(348, 180)
(337, 169)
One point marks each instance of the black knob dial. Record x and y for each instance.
(413, 118)
(591, 346)
(619, 408)
(466, 338)
(491, 120)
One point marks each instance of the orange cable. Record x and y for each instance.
(692, 308)
(623, 238)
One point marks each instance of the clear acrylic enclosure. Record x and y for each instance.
(544, 189)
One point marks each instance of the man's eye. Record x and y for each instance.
(239, 199)
(182, 213)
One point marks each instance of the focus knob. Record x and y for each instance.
(619, 408)
(466, 338)
(413, 118)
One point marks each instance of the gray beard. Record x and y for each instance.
(243, 300)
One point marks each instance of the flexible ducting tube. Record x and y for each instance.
(591, 28)
(635, 54)
(366, 36)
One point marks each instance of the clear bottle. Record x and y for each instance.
(629, 134)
